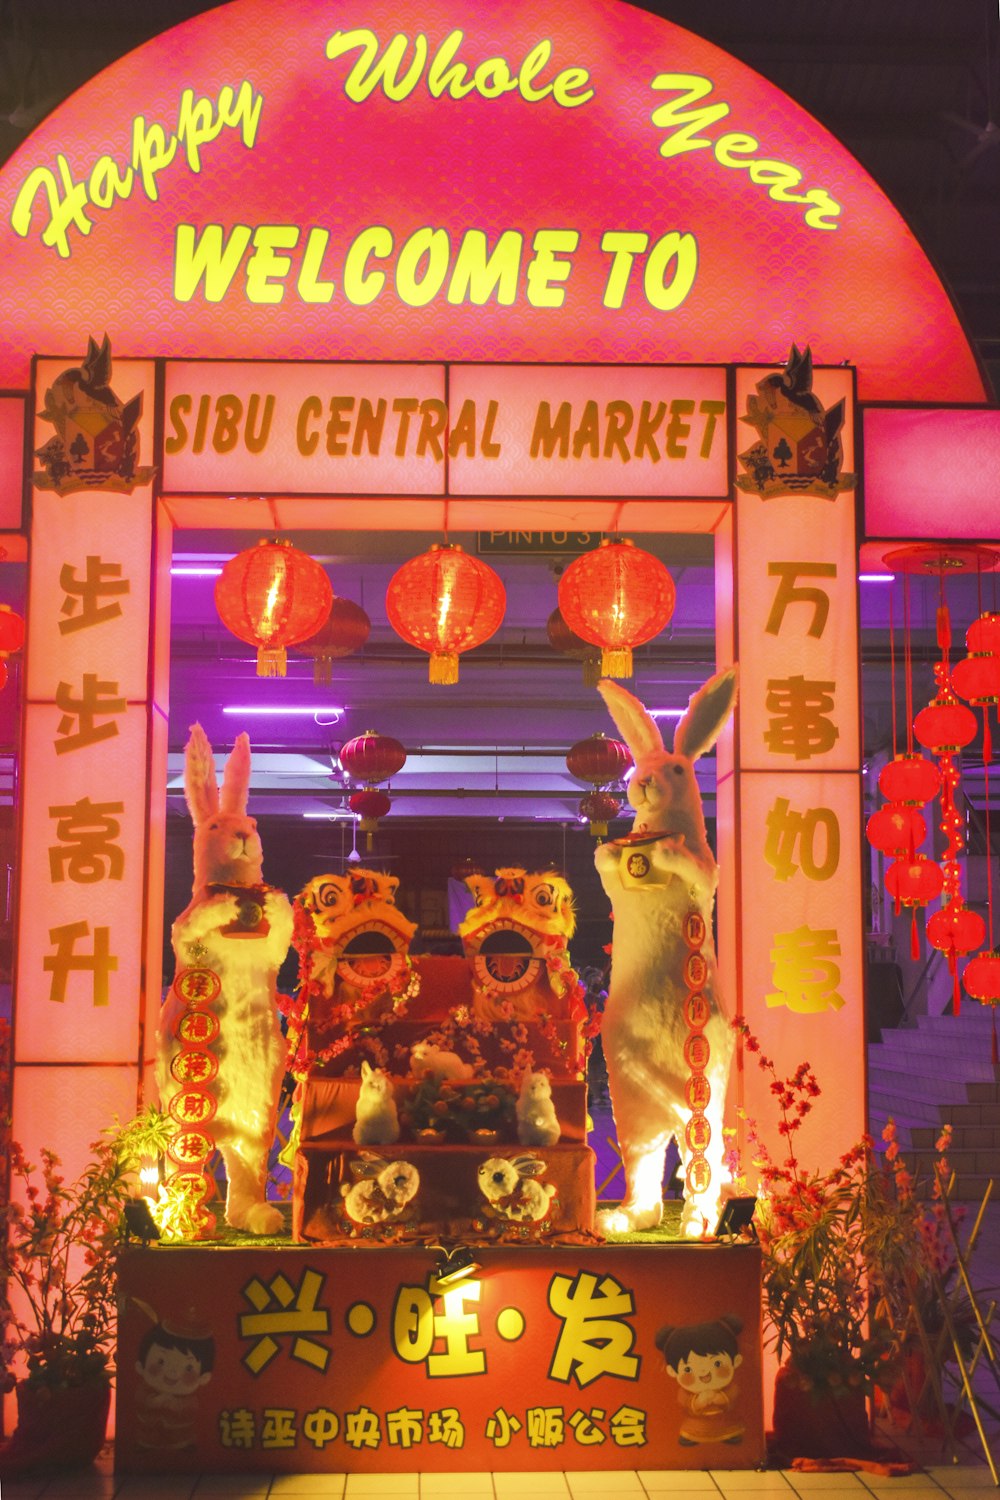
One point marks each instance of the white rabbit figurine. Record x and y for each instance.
(439, 1063)
(244, 940)
(376, 1122)
(537, 1123)
(382, 1192)
(654, 878)
(511, 1191)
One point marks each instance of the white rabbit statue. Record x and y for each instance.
(244, 939)
(537, 1121)
(658, 875)
(376, 1121)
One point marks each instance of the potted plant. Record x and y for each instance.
(58, 1261)
(845, 1252)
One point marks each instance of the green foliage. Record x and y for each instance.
(59, 1256)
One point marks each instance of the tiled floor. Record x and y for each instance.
(962, 1481)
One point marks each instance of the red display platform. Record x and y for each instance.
(313, 1358)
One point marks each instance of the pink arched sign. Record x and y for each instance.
(514, 181)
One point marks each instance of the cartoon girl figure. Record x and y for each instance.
(175, 1360)
(703, 1359)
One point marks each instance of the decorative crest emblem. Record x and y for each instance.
(798, 451)
(96, 441)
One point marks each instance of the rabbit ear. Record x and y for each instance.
(706, 714)
(236, 778)
(200, 786)
(637, 727)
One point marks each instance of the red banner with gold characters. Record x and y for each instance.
(798, 754)
(568, 1357)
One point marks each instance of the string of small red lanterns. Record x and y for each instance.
(370, 758)
(601, 761)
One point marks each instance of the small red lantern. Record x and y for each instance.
(896, 829)
(599, 807)
(616, 597)
(598, 759)
(372, 757)
(272, 596)
(945, 725)
(914, 882)
(445, 602)
(563, 640)
(983, 635)
(11, 631)
(976, 678)
(982, 981)
(955, 931)
(346, 629)
(909, 779)
(369, 758)
(368, 805)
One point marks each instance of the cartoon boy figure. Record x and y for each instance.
(175, 1360)
(703, 1359)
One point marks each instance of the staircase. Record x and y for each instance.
(936, 1073)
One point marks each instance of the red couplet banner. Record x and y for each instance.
(358, 1360)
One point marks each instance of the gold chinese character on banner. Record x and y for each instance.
(804, 975)
(78, 726)
(791, 834)
(788, 593)
(86, 851)
(102, 580)
(801, 725)
(100, 961)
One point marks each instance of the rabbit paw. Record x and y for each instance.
(260, 1218)
(622, 1220)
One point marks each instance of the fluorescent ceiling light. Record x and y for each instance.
(273, 712)
(194, 570)
(876, 578)
(667, 713)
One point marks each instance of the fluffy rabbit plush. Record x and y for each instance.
(383, 1192)
(439, 1063)
(244, 940)
(511, 1191)
(376, 1122)
(654, 878)
(537, 1124)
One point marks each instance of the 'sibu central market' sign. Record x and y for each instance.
(436, 429)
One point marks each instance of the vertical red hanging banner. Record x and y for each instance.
(798, 751)
(88, 724)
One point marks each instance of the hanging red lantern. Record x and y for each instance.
(598, 759)
(896, 829)
(445, 602)
(982, 981)
(977, 676)
(372, 757)
(955, 931)
(983, 635)
(11, 631)
(369, 758)
(914, 882)
(563, 640)
(910, 779)
(345, 631)
(599, 807)
(945, 725)
(616, 597)
(272, 596)
(368, 805)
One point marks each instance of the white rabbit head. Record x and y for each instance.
(663, 788)
(536, 1088)
(227, 848)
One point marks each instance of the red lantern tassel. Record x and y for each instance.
(944, 629)
(272, 661)
(914, 937)
(987, 737)
(956, 989)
